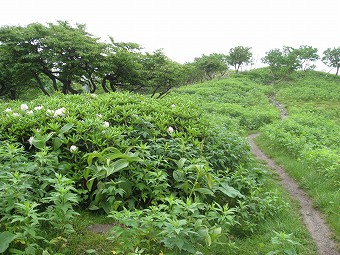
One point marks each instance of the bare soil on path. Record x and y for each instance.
(311, 217)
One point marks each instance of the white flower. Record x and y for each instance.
(49, 112)
(99, 115)
(73, 148)
(24, 107)
(8, 110)
(106, 124)
(170, 130)
(30, 141)
(15, 114)
(59, 112)
(30, 112)
(173, 105)
(93, 95)
(39, 107)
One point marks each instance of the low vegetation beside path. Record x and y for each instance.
(172, 176)
(309, 139)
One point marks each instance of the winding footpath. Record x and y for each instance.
(312, 218)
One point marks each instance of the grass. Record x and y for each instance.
(313, 94)
(324, 195)
(287, 221)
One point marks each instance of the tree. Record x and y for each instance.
(122, 66)
(305, 56)
(331, 58)
(281, 63)
(18, 60)
(70, 54)
(160, 73)
(239, 56)
(211, 65)
(62, 53)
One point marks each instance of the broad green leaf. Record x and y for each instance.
(6, 238)
(89, 184)
(229, 191)
(186, 187)
(91, 156)
(119, 165)
(203, 232)
(178, 176)
(179, 243)
(204, 191)
(215, 233)
(180, 162)
(66, 128)
(198, 223)
(210, 181)
(86, 172)
(57, 142)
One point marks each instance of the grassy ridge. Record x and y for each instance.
(308, 144)
(238, 99)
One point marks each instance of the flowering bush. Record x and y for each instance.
(122, 151)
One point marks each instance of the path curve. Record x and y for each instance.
(312, 218)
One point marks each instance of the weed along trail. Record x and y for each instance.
(311, 217)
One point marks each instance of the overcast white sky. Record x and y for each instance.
(186, 29)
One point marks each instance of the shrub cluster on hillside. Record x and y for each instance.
(161, 168)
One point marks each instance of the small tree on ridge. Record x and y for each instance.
(239, 56)
(331, 58)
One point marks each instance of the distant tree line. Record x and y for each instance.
(284, 62)
(66, 58)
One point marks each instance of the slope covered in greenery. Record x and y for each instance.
(173, 175)
(310, 137)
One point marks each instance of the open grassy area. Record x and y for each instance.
(307, 145)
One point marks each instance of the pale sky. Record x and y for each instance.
(186, 29)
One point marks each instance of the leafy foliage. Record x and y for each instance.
(239, 56)
(332, 58)
(209, 66)
(284, 62)
(126, 154)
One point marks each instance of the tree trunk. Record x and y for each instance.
(112, 85)
(155, 90)
(50, 75)
(67, 87)
(104, 84)
(337, 70)
(93, 87)
(165, 92)
(54, 83)
(13, 94)
(110, 78)
(41, 86)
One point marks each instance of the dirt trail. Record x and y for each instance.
(311, 217)
(281, 107)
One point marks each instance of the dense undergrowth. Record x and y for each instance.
(172, 176)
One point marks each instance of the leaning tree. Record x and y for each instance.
(331, 58)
